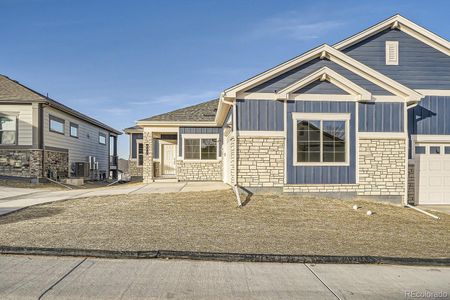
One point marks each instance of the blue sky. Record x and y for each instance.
(121, 61)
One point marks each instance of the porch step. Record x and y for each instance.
(162, 179)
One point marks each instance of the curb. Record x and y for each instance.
(228, 257)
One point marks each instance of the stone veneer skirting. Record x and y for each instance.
(134, 169)
(411, 184)
(381, 172)
(260, 161)
(199, 170)
(34, 163)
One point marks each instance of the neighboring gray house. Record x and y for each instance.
(40, 138)
(368, 117)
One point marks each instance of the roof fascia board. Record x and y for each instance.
(175, 124)
(327, 74)
(404, 25)
(273, 72)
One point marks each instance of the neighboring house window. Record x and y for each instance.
(73, 130)
(56, 125)
(140, 156)
(8, 130)
(321, 141)
(102, 138)
(391, 53)
(200, 148)
(447, 150)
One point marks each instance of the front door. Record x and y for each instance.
(168, 159)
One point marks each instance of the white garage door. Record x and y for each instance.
(432, 174)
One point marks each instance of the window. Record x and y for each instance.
(435, 150)
(321, 141)
(56, 125)
(102, 138)
(447, 150)
(200, 148)
(140, 148)
(8, 126)
(420, 150)
(391, 53)
(74, 130)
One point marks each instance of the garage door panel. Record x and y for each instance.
(432, 175)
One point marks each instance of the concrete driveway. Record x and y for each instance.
(12, 199)
(35, 277)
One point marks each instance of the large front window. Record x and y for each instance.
(320, 141)
(200, 148)
(8, 130)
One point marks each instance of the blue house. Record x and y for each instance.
(368, 117)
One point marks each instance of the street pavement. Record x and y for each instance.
(43, 277)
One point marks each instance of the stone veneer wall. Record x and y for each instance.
(382, 167)
(30, 163)
(147, 168)
(381, 172)
(135, 170)
(411, 184)
(232, 160)
(56, 164)
(199, 171)
(260, 161)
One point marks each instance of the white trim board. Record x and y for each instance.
(251, 133)
(382, 135)
(434, 92)
(317, 97)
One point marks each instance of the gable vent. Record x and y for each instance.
(391, 53)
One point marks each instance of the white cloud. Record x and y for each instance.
(116, 110)
(294, 26)
(179, 98)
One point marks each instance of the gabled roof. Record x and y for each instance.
(13, 91)
(327, 74)
(401, 23)
(202, 112)
(133, 129)
(327, 52)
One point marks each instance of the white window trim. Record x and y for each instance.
(16, 129)
(139, 141)
(322, 117)
(389, 44)
(200, 137)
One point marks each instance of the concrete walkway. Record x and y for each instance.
(445, 208)
(12, 199)
(34, 277)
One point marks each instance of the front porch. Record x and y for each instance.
(168, 153)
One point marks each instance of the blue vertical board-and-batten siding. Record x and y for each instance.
(199, 130)
(420, 65)
(321, 87)
(260, 115)
(381, 117)
(134, 137)
(321, 174)
(288, 78)
(430, 116)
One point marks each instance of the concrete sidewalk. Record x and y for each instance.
(31, 277)
(13, 199)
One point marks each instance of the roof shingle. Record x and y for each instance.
(203, 112)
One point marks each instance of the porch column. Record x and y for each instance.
(147, 168)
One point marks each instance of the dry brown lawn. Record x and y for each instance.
(211, 221)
